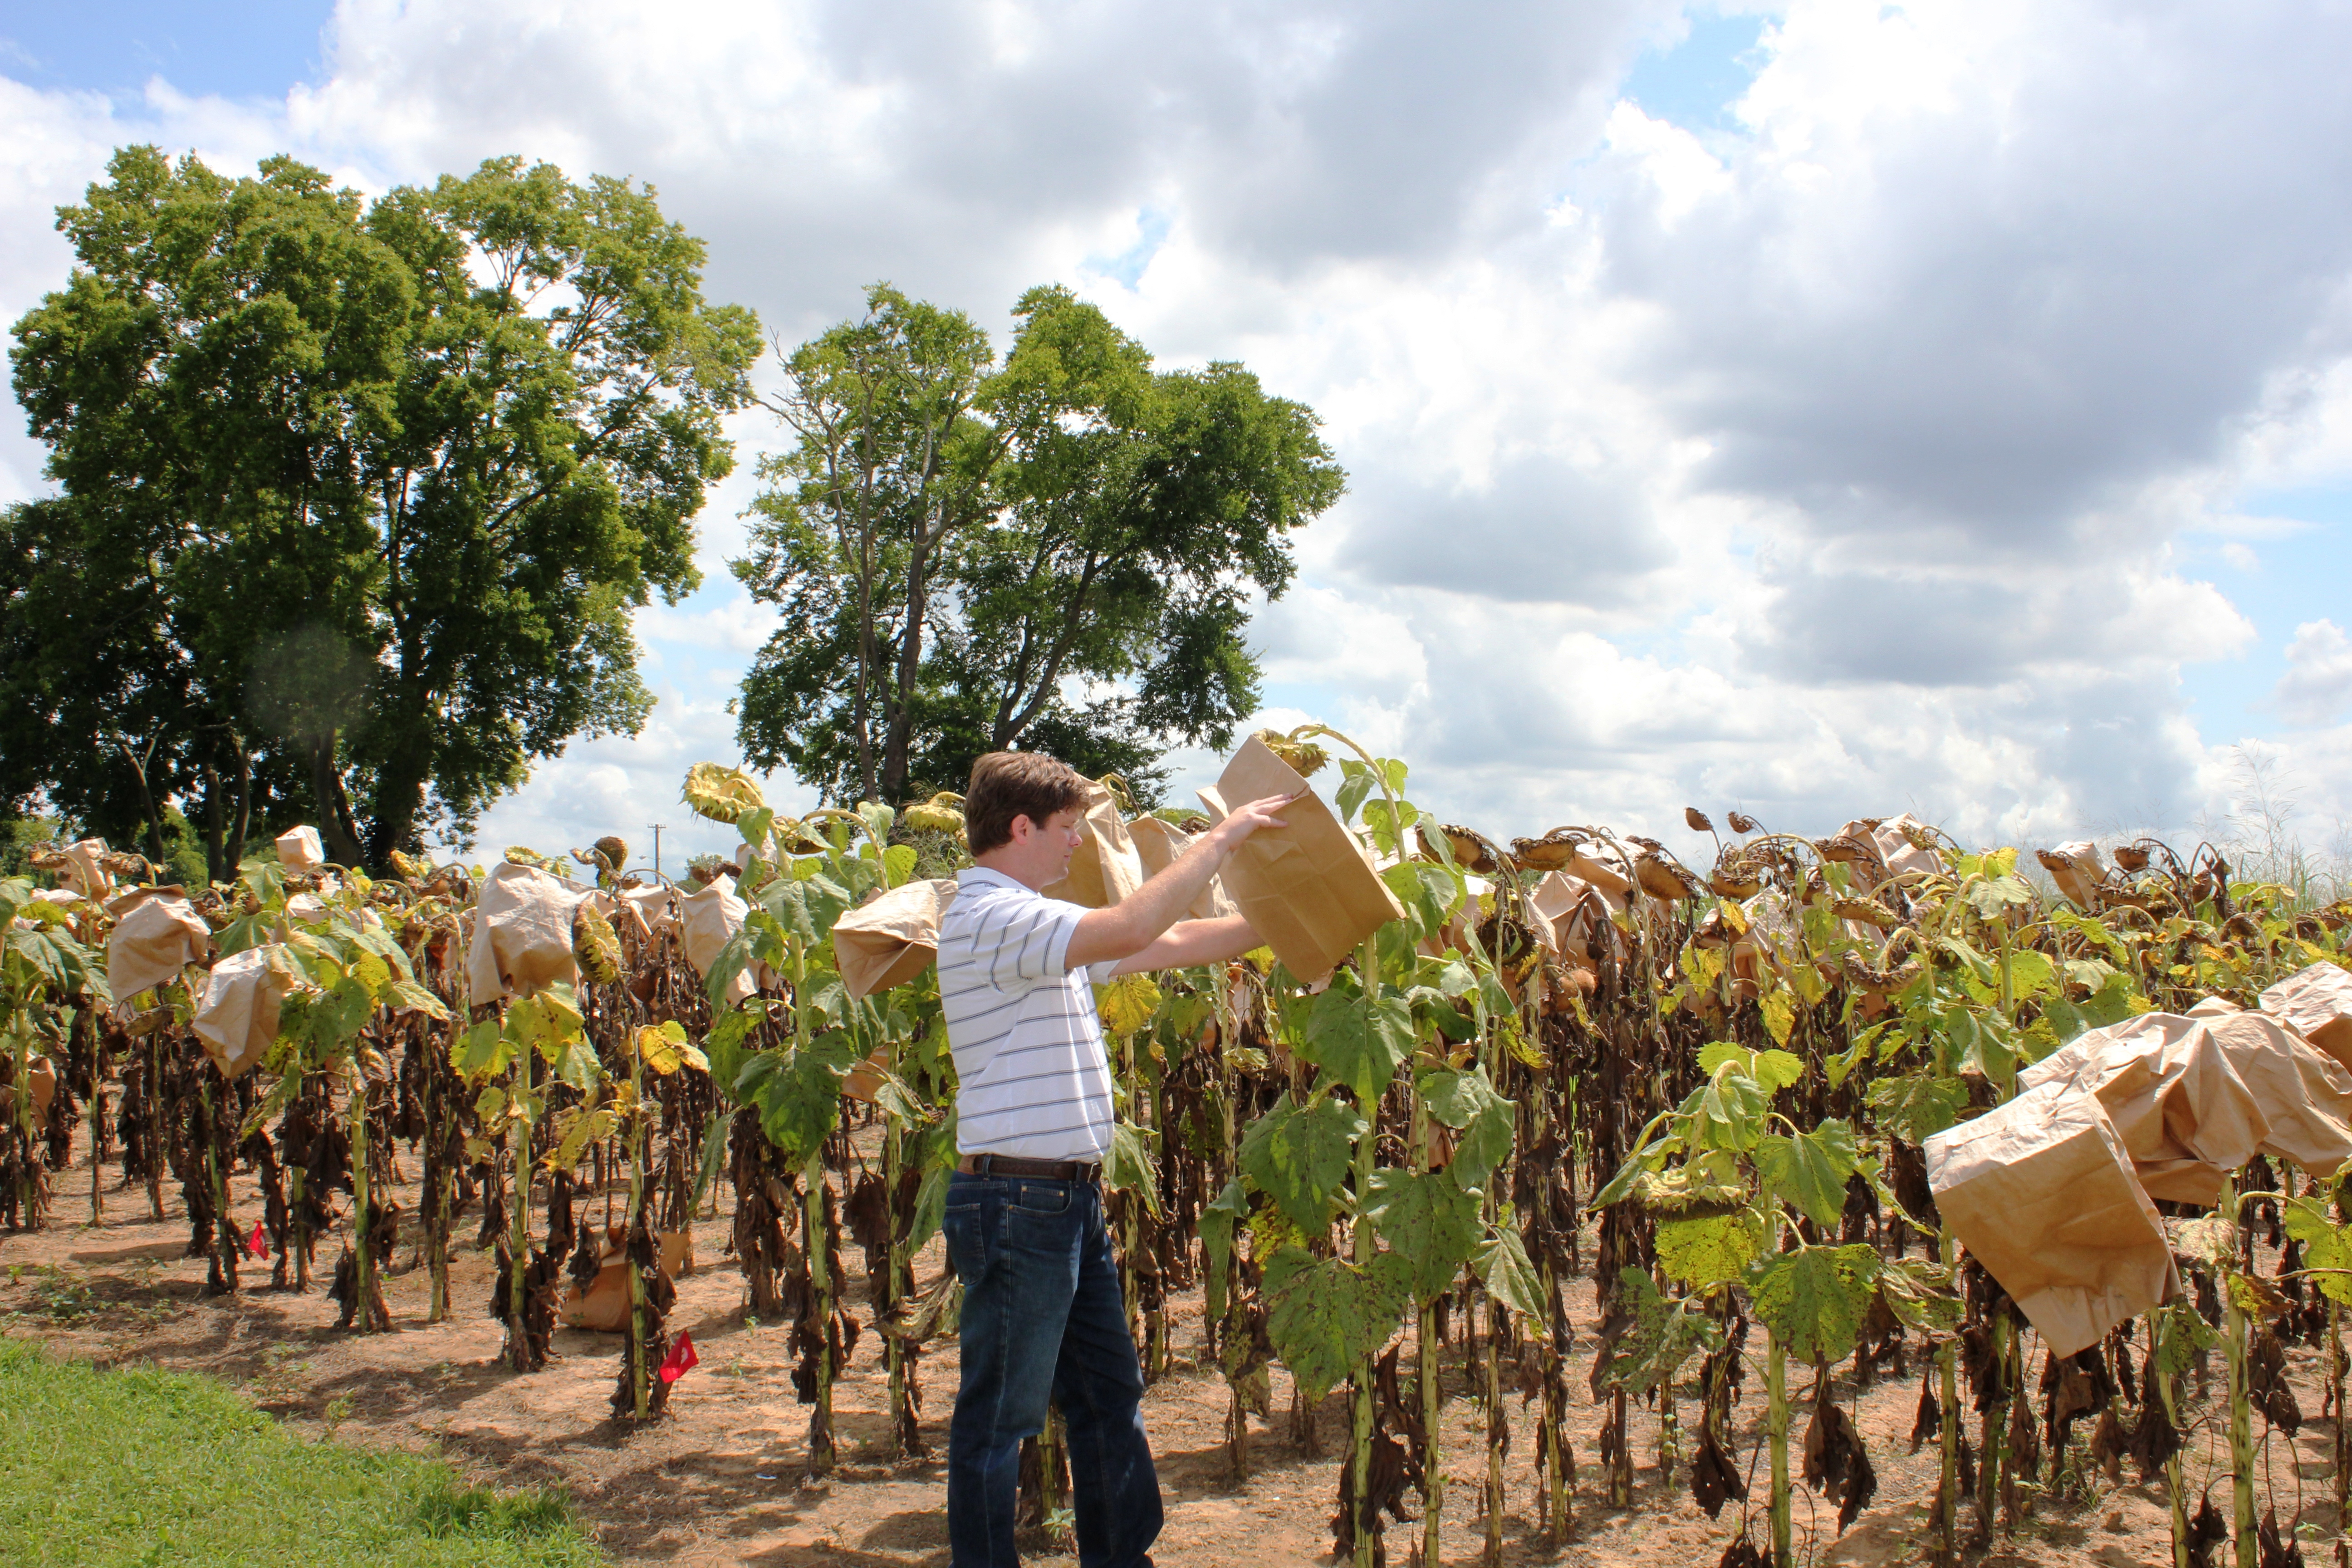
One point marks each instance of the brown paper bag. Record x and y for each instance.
(1564, 904)
(2185, 1115)
(237, 1012)
(1158, 842)
(300, 849)
(2306, 1093)
(891, 937)
(44, 1075)
(522, 934)
(604, 1307)
(1307, 888)
(1106, 867)
(2041, 1192)
(156, 933)
(82, 871)
(654, 909)
(2077, 870)
(1603, 869)
(1899, 853)
(2317, 1004)
(708, 921)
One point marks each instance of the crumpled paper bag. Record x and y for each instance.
(300, 849)
(156, 933)
(2185, 1115)
(2306, 1093)
(603, 1307)
(1157, 844)
(891, 937)
(1899, 853)
(654, 908)
(2317, 1003)
(44, 1075)
(2041, 1192)
(522, 934)
(1307, 888)
(1567, 908)
(1106, 866)
(82, 871)
(708, 921)
(237, 1012)
(2077, 870)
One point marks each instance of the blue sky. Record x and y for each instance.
(1828, 409)
(250, 49)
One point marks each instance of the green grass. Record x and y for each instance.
(145, 1466)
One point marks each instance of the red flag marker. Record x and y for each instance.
(681, 1359)
(256, 1244)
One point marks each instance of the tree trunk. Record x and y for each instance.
(228, 815)
(335, 824)
(146, 799)
(902, 684)
(396, 801)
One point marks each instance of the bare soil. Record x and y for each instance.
(720, 1478)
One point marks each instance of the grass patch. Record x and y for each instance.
(146, 1467)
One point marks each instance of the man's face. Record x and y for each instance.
(1062, 833)
(1040, 855)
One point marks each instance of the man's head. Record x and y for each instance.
(1021, 812)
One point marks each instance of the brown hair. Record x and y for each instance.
(1006, 784)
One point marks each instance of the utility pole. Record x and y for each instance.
(656, 827)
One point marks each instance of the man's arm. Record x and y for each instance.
(1188, 942)
(1135, 922)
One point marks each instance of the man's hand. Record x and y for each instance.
(1247, 820)
(1128, 927)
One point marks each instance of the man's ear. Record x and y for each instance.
(1019, 829)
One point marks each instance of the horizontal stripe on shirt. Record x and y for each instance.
(1023, 1027)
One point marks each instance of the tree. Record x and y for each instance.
(1055, 551)
(892, 458)
(379, 481)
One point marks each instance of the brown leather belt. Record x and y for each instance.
(1036, 1170)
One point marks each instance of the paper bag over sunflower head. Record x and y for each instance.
(2040, 1191)
(1307, 887)
(1106, 867)
(892, 937)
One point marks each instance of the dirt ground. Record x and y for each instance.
(721, 1479)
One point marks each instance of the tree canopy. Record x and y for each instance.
(354, 497)
(1054, 552)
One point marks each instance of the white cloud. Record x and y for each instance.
(2318, 686)
(1835, 466)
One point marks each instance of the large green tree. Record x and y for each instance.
(368, 488)
(1054, 552)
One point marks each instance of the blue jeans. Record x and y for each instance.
(1041, 1317)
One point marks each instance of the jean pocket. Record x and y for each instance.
(1041, 1197)
(967, 1240)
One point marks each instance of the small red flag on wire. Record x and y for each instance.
(681, 1359)
(256, 1244)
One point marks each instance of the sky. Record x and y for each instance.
(1826, 409)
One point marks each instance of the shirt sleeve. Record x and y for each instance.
(1102, 974)
(1020, 938)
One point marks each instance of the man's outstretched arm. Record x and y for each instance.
(1188, 942)
(1128, 928)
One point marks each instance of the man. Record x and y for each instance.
(1041, 1314)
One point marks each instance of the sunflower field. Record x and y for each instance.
(1735, 1107)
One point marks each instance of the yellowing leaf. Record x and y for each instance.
(1326, 1317)
(666, 1049)
(1127, 1003)
(1707, 1249)
(1814, 1300)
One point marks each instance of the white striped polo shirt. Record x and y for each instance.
(1032, 1078)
